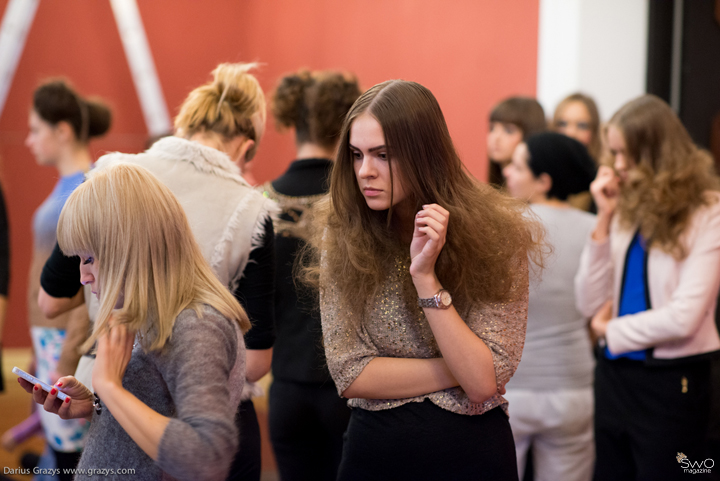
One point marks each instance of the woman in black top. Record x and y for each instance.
(307, 417)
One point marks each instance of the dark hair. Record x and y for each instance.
(525, 112)
(488, 239)
(55, 101)
(565, 160)
(315, 104)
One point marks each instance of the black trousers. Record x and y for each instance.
(247, 464)
(645, 416)
(307, 423)
(421, 441)
(66, 461)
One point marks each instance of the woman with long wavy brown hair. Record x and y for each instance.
(423, 277)
(649, 275)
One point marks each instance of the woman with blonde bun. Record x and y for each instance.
(170, 360)
(218, 130)
(307, 417)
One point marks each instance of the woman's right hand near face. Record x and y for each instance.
(79, 403)
(605, 190)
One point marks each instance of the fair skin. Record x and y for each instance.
(310, 150)
(144, 425)
(258, 360)
(502, 139)
(57, 146)
(236, 148)
(522, 184)
(605, 190)
(467, 361)
(52, 307)
(575, 122)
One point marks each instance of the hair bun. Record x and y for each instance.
(289, 107)
(56, 101)
(232, 104)
(99, 117)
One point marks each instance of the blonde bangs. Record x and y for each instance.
(74, 234)
(140, 238)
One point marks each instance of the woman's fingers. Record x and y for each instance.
(436, 212)
(27, 386)
(64, 410)
(432, 223)
(431, 233)
(39, 395)
(50, 401)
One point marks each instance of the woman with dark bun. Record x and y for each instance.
(551, 397)
(61, 124)
(511, 121)
(423, 276)
(307, 417)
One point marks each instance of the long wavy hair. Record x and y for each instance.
(671, 175)
(488, 238)
(137, 232)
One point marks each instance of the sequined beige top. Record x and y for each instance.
(395, 328)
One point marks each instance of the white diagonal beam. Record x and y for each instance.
(18, 18)
(142, 66)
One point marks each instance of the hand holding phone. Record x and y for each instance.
(33, 380)
(76, 402)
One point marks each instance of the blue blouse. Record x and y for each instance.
(633, 296)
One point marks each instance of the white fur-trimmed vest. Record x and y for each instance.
(225, 213)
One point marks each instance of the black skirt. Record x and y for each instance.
(421, 441)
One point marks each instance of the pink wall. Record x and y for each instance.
(470, 53)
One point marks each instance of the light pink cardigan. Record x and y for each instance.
(683, 294)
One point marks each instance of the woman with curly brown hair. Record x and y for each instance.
(649, 275)
(307, 417)
(423, 277)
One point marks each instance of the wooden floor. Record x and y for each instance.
(15, 406)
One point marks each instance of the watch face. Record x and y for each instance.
(445, 298)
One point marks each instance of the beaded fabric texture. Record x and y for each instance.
(393, 327)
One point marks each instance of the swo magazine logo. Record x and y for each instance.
(695, 467)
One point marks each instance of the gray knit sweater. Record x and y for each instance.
(196, 380)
